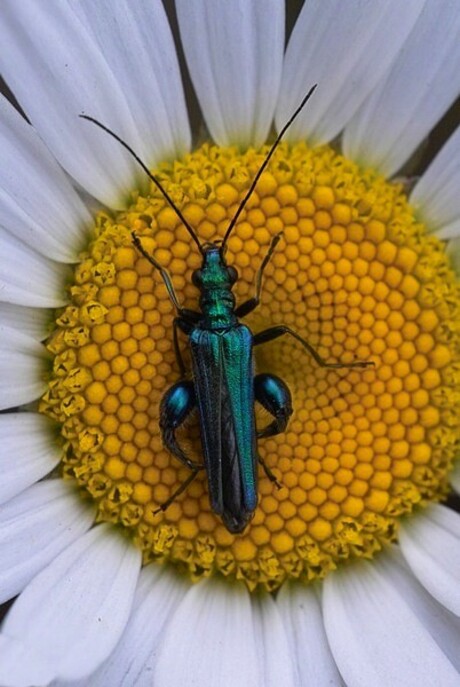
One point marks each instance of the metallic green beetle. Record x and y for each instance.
(223, 387)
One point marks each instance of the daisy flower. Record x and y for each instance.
(347, 574)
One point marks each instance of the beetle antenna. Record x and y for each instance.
(157, 183)
(263, 166)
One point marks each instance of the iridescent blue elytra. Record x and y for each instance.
(223, 386)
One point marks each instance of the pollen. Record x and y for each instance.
(355, 274)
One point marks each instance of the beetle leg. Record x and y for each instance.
(274, 395)
(252, 303)
(164, 506)
(186, 322)
(163, 272)
(176, 405)
(275, 332)
(269, 473)
(177, 351)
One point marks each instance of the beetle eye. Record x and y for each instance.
(196, 278)
(232, 273)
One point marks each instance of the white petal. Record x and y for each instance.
(374, 635)
(137, 43)
(17, 672)
(413, 96)
(74, 612)
(22, 367)
(448, 231)
(442, 625)
(28, 278)
(29, 451)
(209, 640)
(33, 322)
(274, 651)
(455, 478)
(346, 51)
(34, 528)
(131, 664)
(301, 612)
(430, 543)
(436, 196)
(57, 71)
(37, 201)
(234, 52)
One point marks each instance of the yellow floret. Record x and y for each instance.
(355, 275)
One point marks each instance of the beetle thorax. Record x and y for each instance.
(215, 281)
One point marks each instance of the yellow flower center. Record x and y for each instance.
(355, 275)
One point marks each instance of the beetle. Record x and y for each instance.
(224, 386)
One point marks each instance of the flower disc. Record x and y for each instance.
(355, 274)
